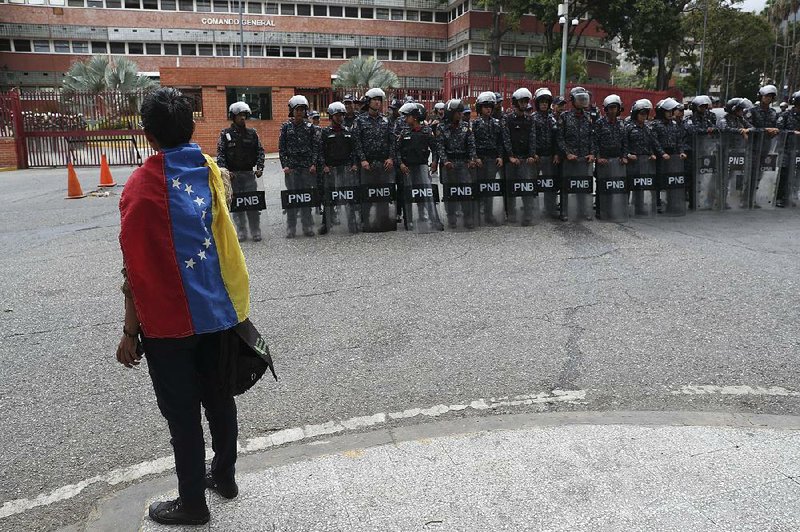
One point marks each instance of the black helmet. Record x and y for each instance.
(795, 98)
(348, 98)
(559, 100)
(498, 98)
(395, 104)
(453, 106)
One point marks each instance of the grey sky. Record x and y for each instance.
(753, 5)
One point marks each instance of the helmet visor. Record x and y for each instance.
(582, 99)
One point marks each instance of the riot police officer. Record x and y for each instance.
(790, 171)
(412, 151)
(765, 119)
(575, 140)
(338, 160)
(298, 148)
(350, 111)
(546, 127)
(375, 147)
(643, 150)
(671, 139)
(456, 147)
(498, 106)
(488, 132)
(609, 151)
(519, 139)
(239, 150)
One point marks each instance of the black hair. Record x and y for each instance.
(167, 116)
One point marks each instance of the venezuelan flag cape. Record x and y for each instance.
(184, 265)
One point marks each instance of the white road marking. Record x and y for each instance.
(161, 465)
(711, 389)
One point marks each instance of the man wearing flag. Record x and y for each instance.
(186, 287)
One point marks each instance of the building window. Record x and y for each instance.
(367, 12)
(397, 14)
(94, 3)
(5, 45)
(271, 8)
(153, 48)
(99, 47)
(132, 4)
(426, 56)
(382, 14)
(273, 51)
(366, 52)
(441, 57)
(80, 47)
(114, 4)
(61, 47)
(255, 50)
(289, 51)
(22, 45)
(337, 53)
(304, 51)
(118, 48)
(41, 46)
(255, 7)
(351, 53)
(441, 16)
(412, 15)
(287, 9)
(335, 11)
(170, 49)
(320, 11)
(259, 99)
(304, 10)
(150, 4)
(426, 16)
(478, 48)
(75, 3)
(195, 95)
(167, 5)
(398, 55)
(203, 6)
(412, 55)
(185, 5)
(135, 48)
(382, 55)
(219, 6)
(205, 49)
(507, 49)
(321, 53)
(351, 12)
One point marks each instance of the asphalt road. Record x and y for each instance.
(630, 314)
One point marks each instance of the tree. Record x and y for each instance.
(547, 66)
(365, 72)
(97, 74)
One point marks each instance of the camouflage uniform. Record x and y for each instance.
(575, 137)
(789, 120)
(337, 152)
(413, 148)
(456, 144)
(374, 144)
(239, 150)
(519, 140)
(609, 138)
(488, 133)
(298, 148)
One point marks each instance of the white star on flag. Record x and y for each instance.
(188, 189)
(199, 201)
(176, 183)
(207, 243)
(203, 217)
(190, 263)
(202, 255)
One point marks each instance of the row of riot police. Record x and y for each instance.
(367, 171)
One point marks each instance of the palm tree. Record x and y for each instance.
(97, 74)
(365, 72)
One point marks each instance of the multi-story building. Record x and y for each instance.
(419, 40)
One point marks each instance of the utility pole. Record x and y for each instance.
(703, 50)
(564, 14)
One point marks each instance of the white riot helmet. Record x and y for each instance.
(297, 101)
(768, 89)
(237, 108)
(667, 104)
(613, 99)
(542, 92)
(521, 94)
(336, 108)
(701, 100)
(485, 98)
(641, 105)
(375, 93)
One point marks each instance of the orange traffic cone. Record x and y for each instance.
(106, 181)
(74, 190)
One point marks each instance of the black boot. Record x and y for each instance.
(176, 513)
(227, 489)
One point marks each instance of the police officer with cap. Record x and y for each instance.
(350, 112)
(498, 106)
(239, 150)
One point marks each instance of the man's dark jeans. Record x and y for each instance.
(185, 375)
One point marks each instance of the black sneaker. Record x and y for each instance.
(256, 237)
(229, 489)
(323, 230)
(176, 513)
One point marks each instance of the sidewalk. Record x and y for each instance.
(548, 477)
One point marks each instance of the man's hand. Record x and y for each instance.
(404, 169)
(772, 131)
(312, 169)
(449, 165)
(683, 156)
(556, 159)
(653, 157)
(259, 173)
(479, 162)
(624, 160)
(434, 168)
(126, 352)
(326, 169)
(600, 160)
(665, 156)
(287, 170)
(388, 164)
(499, 162)
(590, 158)
(530, 161)
(743, 131)
(514, 161)
(632, 156)
(354, 168)
(365, 165)
(572, 157)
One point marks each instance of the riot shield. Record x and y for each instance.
(612, 191)
(490, 192)
(299, 199)
(520, 193)
(767, 158)
(790, 172)
(737, 170)
(707, 171)
(548, 185)
(340, 201)
(420, 201)
(460, 195)
(672, 180)
(378, 195)
(576, 186)
(642, 184)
